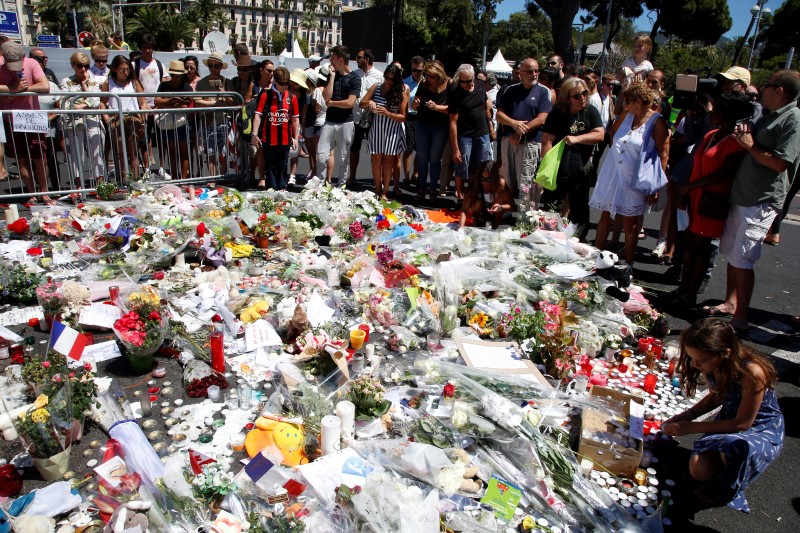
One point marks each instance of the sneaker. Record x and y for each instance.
(292, 180)
(660, 248)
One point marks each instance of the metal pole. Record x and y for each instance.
(789, 57)
(755, 36)
(605, 40)
(75, 24)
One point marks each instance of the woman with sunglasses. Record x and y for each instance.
(121, 81)
(613, 194)
(579, 126)
(388, 102)
(83, 131)
(192, 75)
(431, 128)
(488, 199)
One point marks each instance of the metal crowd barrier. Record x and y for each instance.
(63, 151)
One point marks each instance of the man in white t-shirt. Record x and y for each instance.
(369, 76)
(150, 73)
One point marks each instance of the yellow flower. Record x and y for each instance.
(23, 415)
(41, 401)
(371, 249)
(40, 415)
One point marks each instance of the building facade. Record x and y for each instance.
(28, 20)
(252, 22)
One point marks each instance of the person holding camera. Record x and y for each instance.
(430, 103)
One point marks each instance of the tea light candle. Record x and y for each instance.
(213, 393)
(346, 411)
(180, 260)
(14, 209)
(331, 434)
(586, 467)
(237, 442)
(357, 337)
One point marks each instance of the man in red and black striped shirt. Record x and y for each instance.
(279, 130)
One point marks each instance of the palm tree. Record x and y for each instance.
(308, 21)
(99, 20)
(286, 5)
(176, 27)
(148, 19)
(330, 8)
(203, 14)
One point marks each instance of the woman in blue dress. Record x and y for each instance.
(747, 434)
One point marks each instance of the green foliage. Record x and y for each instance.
(622, 12)
(522, 35)
(278, 40)
(17, 285)
(783, 33)
(690, 20)
(676, 57)
(562, 14)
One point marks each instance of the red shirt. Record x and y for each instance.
(33, 73)
(276, 125)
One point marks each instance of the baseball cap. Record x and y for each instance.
(740, 74)
(14, 55)
(314, 59)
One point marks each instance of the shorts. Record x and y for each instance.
(27, 145)
(474, 150)
(744, 233)
(181, 133)
(134, 126)
(359, 135)
(311, 131)
(215, 138)
(411, 134)
(152, 131)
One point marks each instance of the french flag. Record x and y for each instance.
(269, 476)
(67, 341)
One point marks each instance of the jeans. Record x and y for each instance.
(277, 158)
(430, 140)
(473, 150)
(340, 137)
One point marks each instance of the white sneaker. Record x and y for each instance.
(292, 180)
(660, 248)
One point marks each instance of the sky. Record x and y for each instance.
(739, 9)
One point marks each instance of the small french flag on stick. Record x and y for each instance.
(269, 476)
(67, 341)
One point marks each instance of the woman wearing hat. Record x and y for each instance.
(173, 128)
(214, 126)
(299, 87)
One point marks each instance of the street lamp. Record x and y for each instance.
(757, 11)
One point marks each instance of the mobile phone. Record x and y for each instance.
(216, 83)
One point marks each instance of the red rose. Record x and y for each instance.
(417, 227)
(19, 226)
(154, 316)
(201, 229)
(34, 251)
(216, 318)
(449, 390)
(33, 322)
(384, 224)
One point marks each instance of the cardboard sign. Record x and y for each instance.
(503, 497)
(30, 122)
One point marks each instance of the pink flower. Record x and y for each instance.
(87, 366)
(582, 295)
(72, 374)
(46, 364)
(57, 378)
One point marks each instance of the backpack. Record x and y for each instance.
(244, 120)
(138, 67)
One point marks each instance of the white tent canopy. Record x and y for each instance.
(498, 64)
(296, 53)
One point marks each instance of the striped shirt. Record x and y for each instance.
(276, 127)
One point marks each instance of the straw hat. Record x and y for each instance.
(176, 67)
(216, 56)
(300, 77)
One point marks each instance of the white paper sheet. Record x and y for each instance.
(326, 474)
(20, 315)
(568, 271)
(100, 315)
(259, 334)
(102, 351)
(496, 357)
(317, 312)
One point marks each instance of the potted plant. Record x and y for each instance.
(262, 231)
(142, 328)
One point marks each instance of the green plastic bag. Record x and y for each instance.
(548, 168)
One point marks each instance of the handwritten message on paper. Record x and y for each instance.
(261, 333)
(30, 121)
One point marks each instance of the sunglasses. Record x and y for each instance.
(191, 68)
(580, 95)
(486, 180)
(466, 82)
(98, 60)
(215, 65)
(81, 65)
(417, 70)
(767, 85)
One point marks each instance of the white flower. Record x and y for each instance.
(449, 478)
(458, 419)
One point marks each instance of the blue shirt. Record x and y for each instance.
(412, 87)
(520, 103)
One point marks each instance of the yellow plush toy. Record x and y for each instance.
(254, 312)
(287, 437)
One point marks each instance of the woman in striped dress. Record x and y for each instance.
(387, 138)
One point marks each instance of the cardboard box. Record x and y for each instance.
(616, 459)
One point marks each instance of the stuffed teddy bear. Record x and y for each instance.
(128, 516)
(617, 278)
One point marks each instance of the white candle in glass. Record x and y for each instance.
(9, 216)
(180, 260)
(346, 411)
(331, 434)
(15, 209)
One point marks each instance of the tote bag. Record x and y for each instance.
(651, 177)
(548, 168)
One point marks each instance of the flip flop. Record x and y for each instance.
(714, 311)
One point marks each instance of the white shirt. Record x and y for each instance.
(368, 79)
(603, 106)
(148, 77)
(101, 75)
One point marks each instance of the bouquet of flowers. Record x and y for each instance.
(213, 483)
(74, 297)
(48, 377)
(18, 285)
(587, 294)
(142, 328)
(232, 201)
(49, 298)
(46, 433)
(366, 393)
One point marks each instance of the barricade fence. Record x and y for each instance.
(66, 148)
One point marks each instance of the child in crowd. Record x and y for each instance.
(747, 434)
(488, 199)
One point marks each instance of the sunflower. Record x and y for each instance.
(371, 248)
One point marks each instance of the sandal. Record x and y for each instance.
(262, 185)
(714, 311)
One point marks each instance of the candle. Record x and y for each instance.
(91, 361)
(346, 411)
(192, 194)
(369, 352)
(358, 363)
(586, 467)
(644, 344)
(180, 260)
(14, 209)
(333, 277)
(217, 351)
(113, 293)
(213, 393)
(237, 442)
(650, 382)
(9, 216)
(365, 329)
(236, 277)
(357, 337)
(331, 434)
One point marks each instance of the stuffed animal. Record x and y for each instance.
(617, 278)
(128, 516)
(254, 312)
(288, 437)
(297, 325)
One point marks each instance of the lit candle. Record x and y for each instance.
(9, 216)
(15, 209)
(346, 411)
(180, 260)
(369, 352)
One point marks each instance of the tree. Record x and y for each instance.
(204, 14)
(690, 20)
(147, 20)
(329, 6)
(174, 28)
(676, 58)
(783, 33)
(561, 13)
(621, 11)
(278, 40)
(522, 35)
(98, 19)
(308, 21)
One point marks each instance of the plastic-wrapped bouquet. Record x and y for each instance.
(366, 392)
(142, 328)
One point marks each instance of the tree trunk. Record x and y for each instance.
(561, 13)
(653, 35)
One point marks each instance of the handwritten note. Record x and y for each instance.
(100, 315)
(30, 122)
(102, 351)
(259, 334)
(249, 216)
